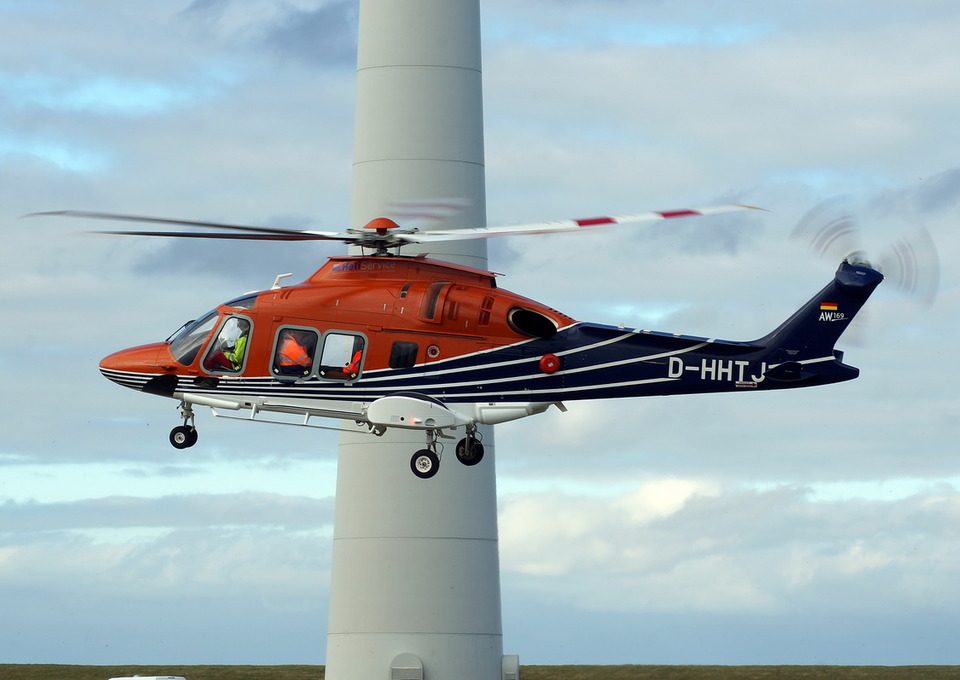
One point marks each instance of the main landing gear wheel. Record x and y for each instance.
(183, 436)
(425, 463)
(469, 450)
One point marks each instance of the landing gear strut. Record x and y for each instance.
(470, 448)
(426, 462)
(184, 436)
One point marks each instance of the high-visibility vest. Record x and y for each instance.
(236, 354)
(292, 353)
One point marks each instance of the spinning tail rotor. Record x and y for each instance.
(910, 263)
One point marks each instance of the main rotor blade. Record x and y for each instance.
(565, 225)
(293, 236)
(174, 222)
(371, 238)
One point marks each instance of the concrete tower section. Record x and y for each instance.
(419, 116)
(415, 582)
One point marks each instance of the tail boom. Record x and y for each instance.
(798, 353)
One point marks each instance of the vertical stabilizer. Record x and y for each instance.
(813, 330)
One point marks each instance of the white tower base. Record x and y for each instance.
(415, 563)
(415, 583)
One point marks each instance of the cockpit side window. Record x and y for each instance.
(295, 351)
(187, 342)
(342, 356)
(228, 352)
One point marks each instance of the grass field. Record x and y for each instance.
(51, 672)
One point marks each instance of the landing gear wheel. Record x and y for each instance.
(183, 436)
(469, 450)
(425, 463)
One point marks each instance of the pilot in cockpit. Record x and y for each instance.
(228, 350)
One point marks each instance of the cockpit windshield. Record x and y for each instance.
(186, 343)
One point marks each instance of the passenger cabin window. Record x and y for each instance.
(229, 350)
(341, 357)
(403, 354)
(295, 351)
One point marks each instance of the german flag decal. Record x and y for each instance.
(828, 306)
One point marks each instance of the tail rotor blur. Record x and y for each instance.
(910, 263)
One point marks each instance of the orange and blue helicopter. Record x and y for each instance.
(394, 341)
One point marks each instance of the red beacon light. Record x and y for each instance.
(381, 225)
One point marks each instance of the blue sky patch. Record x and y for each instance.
(106, 95)
(608, 32)
(63, 155)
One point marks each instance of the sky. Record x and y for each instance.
(806, 526)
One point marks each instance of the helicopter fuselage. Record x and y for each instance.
(416, 343)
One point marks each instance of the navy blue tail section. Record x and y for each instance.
(813, 329)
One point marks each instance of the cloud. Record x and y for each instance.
(325, 35)
(251, 595)
(695, 547)
(319, 34)
(197, 510)
(182, 566)
(937, 193)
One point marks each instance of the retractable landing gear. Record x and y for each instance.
(184, 436)
(426, 462)
(470, 448)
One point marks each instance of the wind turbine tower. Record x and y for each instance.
(415, 582)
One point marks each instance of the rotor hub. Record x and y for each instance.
(381, 225)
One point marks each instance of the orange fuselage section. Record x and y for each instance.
(449, 309)
(444, 310)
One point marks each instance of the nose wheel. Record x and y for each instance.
(425, 463)
(184, 436)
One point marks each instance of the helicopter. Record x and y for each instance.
(388, 340)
